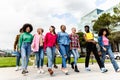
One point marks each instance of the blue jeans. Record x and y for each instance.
(18, 56)
(40, 57)
(64, 52)
(111, 55)
(25, 53)
(69, 56)
(76, 55)
(51, 55)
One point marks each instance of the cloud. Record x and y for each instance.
(80, 7)
(108, 4)
(41, 13)
(99, 2)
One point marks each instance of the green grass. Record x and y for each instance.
(7, 61)
(11, 61)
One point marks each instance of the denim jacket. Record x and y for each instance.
(100, 41)
(63, 38)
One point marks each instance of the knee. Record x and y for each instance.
(64, 56)
(42, 58)
(23, 57)
(77, 57)
(112, 58)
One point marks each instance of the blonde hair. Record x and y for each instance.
(40, 29)
(73, 28)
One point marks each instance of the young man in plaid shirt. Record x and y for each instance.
(75, 48)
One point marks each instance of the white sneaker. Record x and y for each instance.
(118, 70)
(103, 70)
(38, 71)
(42, 71)
(87, 69)
(17, 68)
(20, 68)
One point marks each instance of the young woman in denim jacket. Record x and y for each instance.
(106, 48)
(63, 43)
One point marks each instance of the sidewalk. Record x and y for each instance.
(95, 74)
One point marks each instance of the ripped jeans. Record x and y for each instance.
(64, 53)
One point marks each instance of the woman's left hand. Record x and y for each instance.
(79, 50)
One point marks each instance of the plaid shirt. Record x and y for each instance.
(74, 41)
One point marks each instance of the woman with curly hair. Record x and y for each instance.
(106, 48)
(25, 41)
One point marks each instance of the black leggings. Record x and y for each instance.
(91, 47)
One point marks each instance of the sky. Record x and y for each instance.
(43, 13)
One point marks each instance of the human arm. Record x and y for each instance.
(16, 42)
(100, 42)
(70, 37)
(33, 42)
(45, 41)
(20, 42)
(78, 41)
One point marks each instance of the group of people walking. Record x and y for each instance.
(38, 43)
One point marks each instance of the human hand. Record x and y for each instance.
(57, 46)
(32, 46)
(19, 50)
(104, 49)
(79, 50)
(94, 42)
(14, 49)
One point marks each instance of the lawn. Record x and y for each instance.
(11, 61)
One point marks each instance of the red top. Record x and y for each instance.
(50, 40)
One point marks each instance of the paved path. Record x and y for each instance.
(95, 74)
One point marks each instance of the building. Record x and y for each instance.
(90, 18)
(2, 53)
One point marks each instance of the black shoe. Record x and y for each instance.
(26, 71)
(72, 65)
(23, 72)
(55, 66)
(76, 69)
(67, 73)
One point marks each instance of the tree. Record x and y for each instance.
(108, 21)
(117, 10)
(81, 39)
(116, 15)
(82, 42)
(103, 21)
